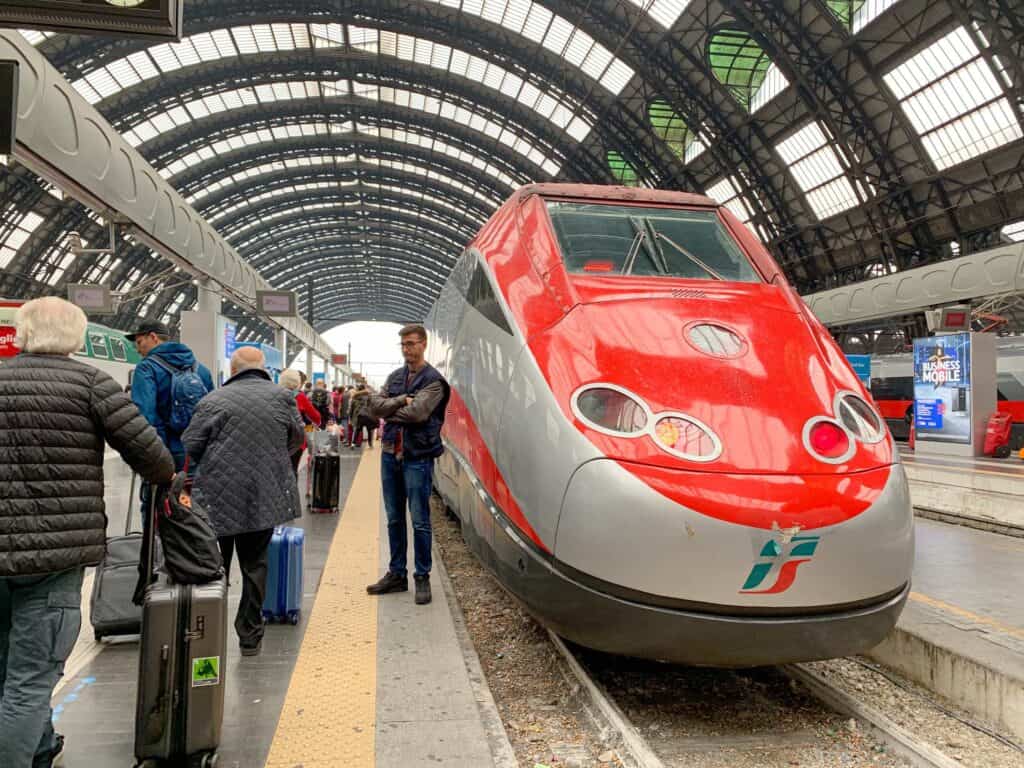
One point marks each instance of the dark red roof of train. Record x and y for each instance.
(612, 193)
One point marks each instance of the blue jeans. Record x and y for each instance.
(407, 481)
(40, 617)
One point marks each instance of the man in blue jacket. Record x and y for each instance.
(151, 382)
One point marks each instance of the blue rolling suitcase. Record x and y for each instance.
(284, 575)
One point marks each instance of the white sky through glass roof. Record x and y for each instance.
(547, 101)
(815, 165)
(954, 100)
(726, 192)
(223, 101)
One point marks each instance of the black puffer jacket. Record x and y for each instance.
(55, 414)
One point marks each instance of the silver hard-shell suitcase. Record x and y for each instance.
(180, 704)
(182, 661)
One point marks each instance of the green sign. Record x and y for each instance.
(205, 671)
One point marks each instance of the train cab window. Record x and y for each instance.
(98, 342)
(653, 242)
(118, 350)
(481, 296)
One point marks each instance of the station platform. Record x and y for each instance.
(360, 681)
(984, 493)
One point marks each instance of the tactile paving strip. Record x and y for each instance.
(329, 711)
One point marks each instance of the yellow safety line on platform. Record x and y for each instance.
(328, 715)
(965, 614)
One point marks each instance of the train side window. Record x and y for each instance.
(118, 350)
(1010, 387)
(481, 296)
(98, 342)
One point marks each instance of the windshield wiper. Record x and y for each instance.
(689, 255)
(644, 239)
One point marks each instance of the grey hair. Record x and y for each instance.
(290, 379)
(50, 326)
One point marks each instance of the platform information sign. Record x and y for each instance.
(942, 388)
(861, 365)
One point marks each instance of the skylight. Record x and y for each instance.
(555, 33)
(1014, 231)
(665, 12)
(954, 101)
(547, 100)
(814, 164)
(24, 228)
(223, 101)
(726, 192)
(267, 136)
(34, 36)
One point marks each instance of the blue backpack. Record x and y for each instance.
(187, 389)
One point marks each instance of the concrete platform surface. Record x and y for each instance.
(981, 492)
(962, 631)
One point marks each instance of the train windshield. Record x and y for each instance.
(653, 242)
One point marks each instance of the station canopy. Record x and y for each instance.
(361, 146)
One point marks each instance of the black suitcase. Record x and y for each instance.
(182, 663)
(326, 482)
(111, 610)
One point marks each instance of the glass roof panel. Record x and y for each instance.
(868, 12)
(1014, 231)
(739, 63)
(954, 100)
(670, 127)
(281, 91)
(665, 12)
(725, 191)
(109, 80)
(35, 36)
(556, 32)
(622, 170)
(817, 169)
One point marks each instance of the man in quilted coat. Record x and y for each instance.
(241, 439)
(56, 415)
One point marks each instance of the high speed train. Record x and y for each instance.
(103, 348)
(653, 443)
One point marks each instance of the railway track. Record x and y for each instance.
(659, 716)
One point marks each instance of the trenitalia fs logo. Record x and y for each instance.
(799, 550)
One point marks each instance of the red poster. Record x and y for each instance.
(7, 348)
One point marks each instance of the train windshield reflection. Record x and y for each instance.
(650, 242)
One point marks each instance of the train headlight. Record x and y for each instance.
(687, 438)
(859, 418)
(828, 440)
(612, 410)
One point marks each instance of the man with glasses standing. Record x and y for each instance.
(413, 407)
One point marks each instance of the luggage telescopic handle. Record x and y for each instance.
(131, 506)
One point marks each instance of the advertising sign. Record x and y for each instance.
(942, 388)
(861, 365)
(339, 359)
(229, 339)
(317, 376)
(7, 311)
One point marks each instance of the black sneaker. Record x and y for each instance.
(422, 589)
(47, 759)
(391, 582)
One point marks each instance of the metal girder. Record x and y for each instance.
(59, 135)
(365, 176)
(807, 43)
(255, 155)
(354, 257)
(169, 146)
(302, 232)
(621, 127)
(170, 90)
(438, 263)
(328, 220)
(263, 210)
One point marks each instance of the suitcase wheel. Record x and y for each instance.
(293, 618)
(97, 635)
(205, 760)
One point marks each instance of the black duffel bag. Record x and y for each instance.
(190, 549)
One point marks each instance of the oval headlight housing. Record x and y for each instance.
(859, 418)
(687, 438)
(611, 410)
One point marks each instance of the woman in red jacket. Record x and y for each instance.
(291, 381)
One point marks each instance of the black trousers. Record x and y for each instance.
(252, 561)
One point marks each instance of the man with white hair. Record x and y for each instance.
(56, 413)
(241, 438)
